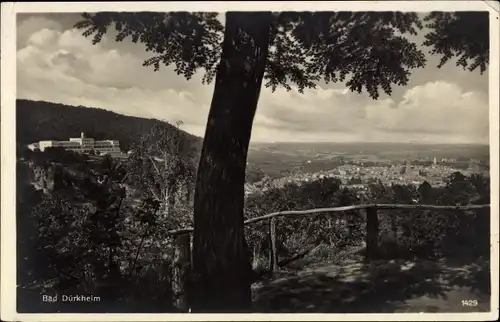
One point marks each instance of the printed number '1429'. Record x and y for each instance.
(469, 303)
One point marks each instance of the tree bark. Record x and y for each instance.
(221, 260)
(170, 198)
(372, 228)
(273, 257)
(180, 272)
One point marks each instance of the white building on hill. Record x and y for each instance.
(81, 144)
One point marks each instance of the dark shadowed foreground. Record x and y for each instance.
(396, 286)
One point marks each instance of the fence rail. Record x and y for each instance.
(371, 239)
(316, 211)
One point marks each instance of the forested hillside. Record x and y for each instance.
(100, 218)
(39, 120)
(98, 224)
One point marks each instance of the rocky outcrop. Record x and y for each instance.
(43, 177)
(47, 177)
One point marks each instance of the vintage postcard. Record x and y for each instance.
(249, 161)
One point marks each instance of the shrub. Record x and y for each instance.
(426, 234)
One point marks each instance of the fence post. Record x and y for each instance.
(273, 259)
(181, 270)
(371, 232)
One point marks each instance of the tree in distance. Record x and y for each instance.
(365, 50)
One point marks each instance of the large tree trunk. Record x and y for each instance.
(221, 261)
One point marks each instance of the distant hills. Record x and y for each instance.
(40, 120)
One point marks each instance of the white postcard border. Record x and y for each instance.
(8, 147)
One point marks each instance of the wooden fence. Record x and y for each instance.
(182, 244)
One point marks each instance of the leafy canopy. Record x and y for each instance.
(365, 49)
(462, 34)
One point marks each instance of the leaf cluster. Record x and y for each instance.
(465, 35)
(365, 49)
(188, 40)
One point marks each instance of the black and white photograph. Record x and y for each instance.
(250, 157)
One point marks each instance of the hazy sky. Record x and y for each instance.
(55, 63)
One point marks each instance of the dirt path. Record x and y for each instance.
(378, 287)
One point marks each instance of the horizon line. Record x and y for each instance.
(260, 142)
(365, 142)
